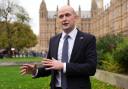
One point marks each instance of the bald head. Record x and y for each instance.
(67, 8)
(67, 18)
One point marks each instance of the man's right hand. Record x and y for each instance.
(28, 69)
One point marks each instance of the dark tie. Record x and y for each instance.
(64, 59)
(65, 49)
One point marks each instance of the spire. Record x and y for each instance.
(100, 4)
(43, 9)
(68, 3)
(93, 8)
(57, 10)
(79, 8)
(79, 11)
(97, 7)
(93, 5)
(43, 5)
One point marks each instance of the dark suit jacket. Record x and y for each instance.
(82, 63)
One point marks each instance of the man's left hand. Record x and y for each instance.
(52, 64)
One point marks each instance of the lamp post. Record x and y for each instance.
(55, 23)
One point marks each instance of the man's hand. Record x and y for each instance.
(52, 64)
(28, 69)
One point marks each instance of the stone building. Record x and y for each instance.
(99, 21)
(111, 20)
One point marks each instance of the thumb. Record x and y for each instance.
(53, 58)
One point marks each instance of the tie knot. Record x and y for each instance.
(66, 37)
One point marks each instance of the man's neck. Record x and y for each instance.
(67, 31)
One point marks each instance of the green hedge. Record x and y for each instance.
(121, 56)
(113, 53)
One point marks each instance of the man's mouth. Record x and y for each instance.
(65, 24)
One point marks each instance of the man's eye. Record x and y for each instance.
(61, 16)
(67, 15)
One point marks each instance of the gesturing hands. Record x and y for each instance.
(28, 69)
(47, 63)
(52, 64)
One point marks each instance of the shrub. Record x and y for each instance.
(112, 53)
(121, 56)
(109, 64)
(108, 42)
(105, 47)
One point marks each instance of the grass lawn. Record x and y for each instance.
(23, 59)
(10, 78)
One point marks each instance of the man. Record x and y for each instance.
(71, 59)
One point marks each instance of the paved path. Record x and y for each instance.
(16, 63)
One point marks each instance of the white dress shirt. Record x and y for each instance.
(71, 40)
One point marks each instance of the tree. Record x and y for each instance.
(13, 16)
(22, 15)
(10, 11)
(23, 37)
(3, 36)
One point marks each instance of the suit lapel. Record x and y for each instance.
(78, 40)
(56, 45)
(77, 45)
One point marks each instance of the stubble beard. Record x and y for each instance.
(67, 29)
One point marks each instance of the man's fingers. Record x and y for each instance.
(53, 58)
(27, 65)
(49, 68)
(23, 67)
(47, 62)
(23, 72)
(47, 65)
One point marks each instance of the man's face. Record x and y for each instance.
(67, 19)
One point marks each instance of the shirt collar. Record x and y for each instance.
(72, 34)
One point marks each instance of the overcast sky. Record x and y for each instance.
(32, 7)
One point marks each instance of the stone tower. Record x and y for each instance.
(96, 7)
(43, 13)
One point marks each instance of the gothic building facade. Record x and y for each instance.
(99, 21)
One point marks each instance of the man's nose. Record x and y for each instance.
(64, 18)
